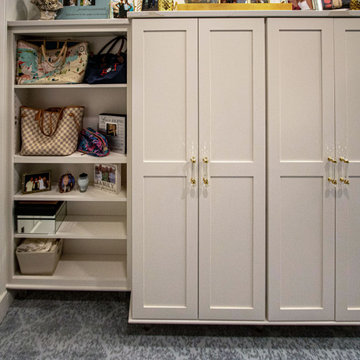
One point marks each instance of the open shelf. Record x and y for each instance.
(87, 227)
(79, 272)
(71, 86)
(92, 194)
(75, 158)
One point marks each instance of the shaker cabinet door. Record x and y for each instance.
(301, 200)
(347, 105)
(164, 139)
(232, 169)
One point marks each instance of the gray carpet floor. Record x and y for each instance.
(93, 326)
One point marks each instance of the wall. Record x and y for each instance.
(21, 10)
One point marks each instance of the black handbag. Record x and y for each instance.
(107, 68)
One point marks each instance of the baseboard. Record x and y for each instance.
(5, 301)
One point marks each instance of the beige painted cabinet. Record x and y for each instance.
(313, 169)
(198, 169)
(347, 115)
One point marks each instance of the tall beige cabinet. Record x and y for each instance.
(313, 170)
(198, 98)
(347, 115)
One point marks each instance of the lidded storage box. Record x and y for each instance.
(39, 217)
(39, 256)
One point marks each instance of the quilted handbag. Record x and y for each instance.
(62, 65)
(93, 143)
(107, 68)
(53, 131)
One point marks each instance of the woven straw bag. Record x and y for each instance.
(53, 131)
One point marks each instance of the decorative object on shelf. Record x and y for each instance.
(36, 182)
(48, 8)
(113, 126)
(149, 5)
(54, 131)
(64, 63)
(39, 256)
(66, 183)
(120, 8)
(85, 9)
(107, 177)
(233, 7)
(108, 68)
(354, 4)
(93, 143)
(39, 217)
(166, 5)
(83, 182)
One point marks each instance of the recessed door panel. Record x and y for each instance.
(231, 94)
(165, 99)
(300, 95)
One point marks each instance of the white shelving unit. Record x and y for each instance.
(96, 254)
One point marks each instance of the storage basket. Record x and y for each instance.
(39, 263)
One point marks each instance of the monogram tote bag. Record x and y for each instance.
(53, 131)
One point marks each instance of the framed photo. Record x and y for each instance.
(66, 183)
(84, 9)
(36, 182)
(119, 8)
(107, 177)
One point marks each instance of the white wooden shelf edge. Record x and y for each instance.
(75, 22)
(76, 158)
(92, 194)
(87, 227)
(95, 272)
(71, 86)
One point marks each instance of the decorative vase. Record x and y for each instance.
(83, 182)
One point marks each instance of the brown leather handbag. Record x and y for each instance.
(52, 131)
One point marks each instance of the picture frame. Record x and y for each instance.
(107, 177)
(66, 183)
(84, 9)
(36, 182)
(120, 8)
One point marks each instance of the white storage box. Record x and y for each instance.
(39, 263)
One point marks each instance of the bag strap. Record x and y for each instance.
(40, 118)
(61, 56)
(112, 42)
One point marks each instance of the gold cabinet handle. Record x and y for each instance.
(193, 162)
(332, 160)
(345, 181)
(333, 181)
(346, 161)
(206, 170)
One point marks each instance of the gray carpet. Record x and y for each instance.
(93, 326)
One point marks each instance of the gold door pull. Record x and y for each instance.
(345, 181)
(193, 159)
(205, 160)
(193, 181)
(206, 181)
(346, 161)
(332, 160)
(333, 181)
